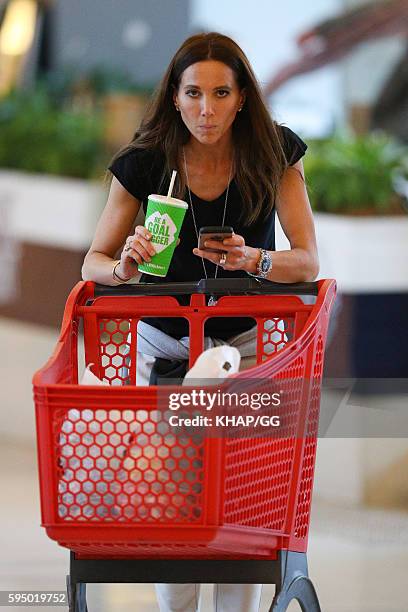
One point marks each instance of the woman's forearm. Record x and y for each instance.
(98, 267)
(291, 266)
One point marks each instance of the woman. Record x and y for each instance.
(236, 167)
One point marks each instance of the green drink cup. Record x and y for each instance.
(164, 218)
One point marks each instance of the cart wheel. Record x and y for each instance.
(303, 591)
(76, 596)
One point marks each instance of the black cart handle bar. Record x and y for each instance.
(211, 286)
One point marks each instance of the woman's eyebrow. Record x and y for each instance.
(217, 87)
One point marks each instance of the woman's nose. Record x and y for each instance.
(206, 108)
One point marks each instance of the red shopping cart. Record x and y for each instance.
(135, 502)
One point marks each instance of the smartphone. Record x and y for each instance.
(216, 232)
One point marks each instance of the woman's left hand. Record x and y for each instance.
(236, 254)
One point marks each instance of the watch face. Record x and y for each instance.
(264, 264)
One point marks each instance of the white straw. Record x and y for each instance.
(173, 178)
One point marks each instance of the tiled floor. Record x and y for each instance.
(358, 559)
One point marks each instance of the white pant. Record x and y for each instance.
(244, 342)
(227, 597)
(186, 597)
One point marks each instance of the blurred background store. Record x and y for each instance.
(74, 80)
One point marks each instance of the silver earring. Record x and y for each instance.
(240, 109)
(177, 108)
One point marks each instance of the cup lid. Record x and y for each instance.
(165, 200)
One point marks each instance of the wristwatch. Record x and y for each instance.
(264, 265)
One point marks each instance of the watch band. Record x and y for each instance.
(264, 265)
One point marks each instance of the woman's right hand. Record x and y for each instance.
(137, 249)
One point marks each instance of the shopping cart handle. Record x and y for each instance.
(211, 286)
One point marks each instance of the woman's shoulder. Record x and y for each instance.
(142, 158)
(294, 147)
(137, 170)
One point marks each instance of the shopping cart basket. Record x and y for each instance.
(134, 501)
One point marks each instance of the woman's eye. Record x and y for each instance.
(192, 92)
(222, 93)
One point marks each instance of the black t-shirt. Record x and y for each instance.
(140, 171)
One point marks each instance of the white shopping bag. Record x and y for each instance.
(217, 362)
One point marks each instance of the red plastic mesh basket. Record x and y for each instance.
(115, 479)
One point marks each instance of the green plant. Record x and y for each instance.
(58, 127)
(102, 80)
(355, 175)
(37, 135)
(68, 82)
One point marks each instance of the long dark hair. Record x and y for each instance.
(257, 139)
